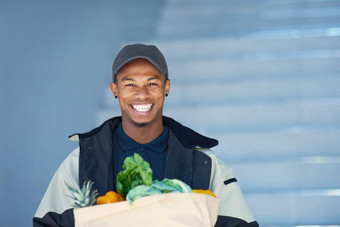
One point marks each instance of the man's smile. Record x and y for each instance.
(142, 108)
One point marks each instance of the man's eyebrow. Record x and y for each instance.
(151, 78)
(128, 79)
(154, 78)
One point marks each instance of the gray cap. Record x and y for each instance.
(135, 51)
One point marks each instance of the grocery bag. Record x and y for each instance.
(171, 209)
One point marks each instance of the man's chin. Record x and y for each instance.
(140, 125)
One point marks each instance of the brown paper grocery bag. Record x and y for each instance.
(171, 209)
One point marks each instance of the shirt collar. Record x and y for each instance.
(126, 143)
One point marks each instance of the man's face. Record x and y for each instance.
(141, 90)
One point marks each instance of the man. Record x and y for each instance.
(140, 84)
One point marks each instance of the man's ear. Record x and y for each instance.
(167, 87)
(114, 89)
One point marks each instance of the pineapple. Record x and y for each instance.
(83, 197)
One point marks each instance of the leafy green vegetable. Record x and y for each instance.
(179, 185)
(140, 191)
(135, 180)
(163, 186)
(158, 187)
(136, 172)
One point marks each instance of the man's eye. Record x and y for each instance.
(129, 85)
(152, 84)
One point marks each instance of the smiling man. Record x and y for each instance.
(141, 85)
(141, 88)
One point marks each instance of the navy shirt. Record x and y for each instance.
(154, 152)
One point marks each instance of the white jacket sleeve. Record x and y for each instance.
(224, 185)
(56, 198)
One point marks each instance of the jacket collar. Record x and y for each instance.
(186, 136)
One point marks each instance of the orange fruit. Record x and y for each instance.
(201, 191)
(110, 197)
(120, 197)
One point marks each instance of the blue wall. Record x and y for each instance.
(55, 61)
(261, 78)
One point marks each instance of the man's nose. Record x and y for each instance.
(142, 92)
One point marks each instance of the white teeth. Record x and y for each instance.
(142, 108)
